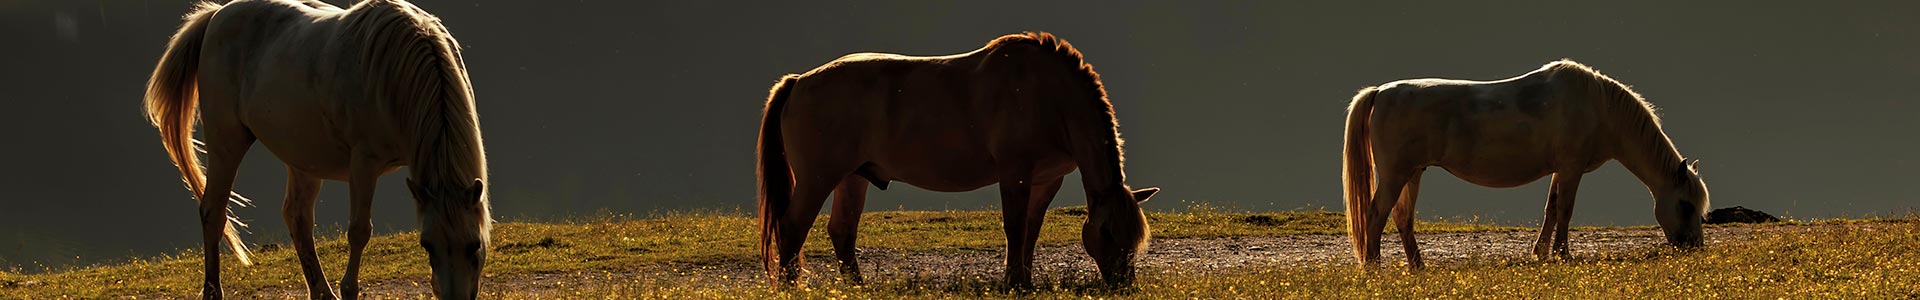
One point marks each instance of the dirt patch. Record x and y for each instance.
(1069, 263)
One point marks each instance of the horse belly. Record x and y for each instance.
(946, 172)
(1497, 150)
(1498, 169)
(301, 140)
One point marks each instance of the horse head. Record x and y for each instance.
(454, 227)
(1681, 207)
(1115, 232)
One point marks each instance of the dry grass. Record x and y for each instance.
(1850, 260)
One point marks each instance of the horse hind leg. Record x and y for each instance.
(810, 191)
(1388, 176)
(302, 189)
(1403, 219)
(226, 147)
(849, 201)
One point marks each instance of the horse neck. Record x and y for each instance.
(1644, 148)
(1097, 145)
(447, 141)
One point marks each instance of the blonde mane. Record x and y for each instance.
(429, 70)
(1643, 119)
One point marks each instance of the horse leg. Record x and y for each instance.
(1037, 202)
(1403, 219)
(1016, 187)
(363, 176)
(1564, 188)
(849, 201)
(1389, 176)
(809, 193)
(224, 153)
(1540, 247)
(298, 212)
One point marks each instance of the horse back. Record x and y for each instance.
(1496, 133)
(942, 123)
(280, 69)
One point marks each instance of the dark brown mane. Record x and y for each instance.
(1073, 57)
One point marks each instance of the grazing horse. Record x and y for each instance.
(1022, 112)
(1563, 119)
(336, 94)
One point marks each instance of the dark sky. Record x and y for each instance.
(646, 106)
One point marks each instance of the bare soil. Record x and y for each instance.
(1069, 263)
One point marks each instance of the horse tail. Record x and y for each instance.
(172, 105)
(1358, 169)
(775, 176)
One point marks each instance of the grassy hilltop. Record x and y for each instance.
(625, 257)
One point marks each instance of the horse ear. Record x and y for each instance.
(1141, 195)
(478, 189)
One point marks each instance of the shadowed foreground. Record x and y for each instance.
(1204, 253)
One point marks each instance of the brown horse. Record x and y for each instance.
(1022, 112)
(1563, 119)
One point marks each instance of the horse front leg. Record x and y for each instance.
(365, 173)
(1016, 185)
(302, 189)
(1036, 216)
(849, 201)
(1565, 188)
(1541, 246)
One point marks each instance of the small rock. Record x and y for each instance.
(1739, 214)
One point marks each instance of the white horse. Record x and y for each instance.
(1564, 119)
(337, 94)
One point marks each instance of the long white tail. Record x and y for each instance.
(172, 105)
(1358, 170)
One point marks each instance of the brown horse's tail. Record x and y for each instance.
(172, 105)
(776, 177)
(1358, 169)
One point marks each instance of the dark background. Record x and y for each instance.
(1796, 107)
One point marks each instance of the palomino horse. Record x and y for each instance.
(1022, 112)
(338, 95)
(1564, 119)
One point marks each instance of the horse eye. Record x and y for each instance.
(474, 249)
